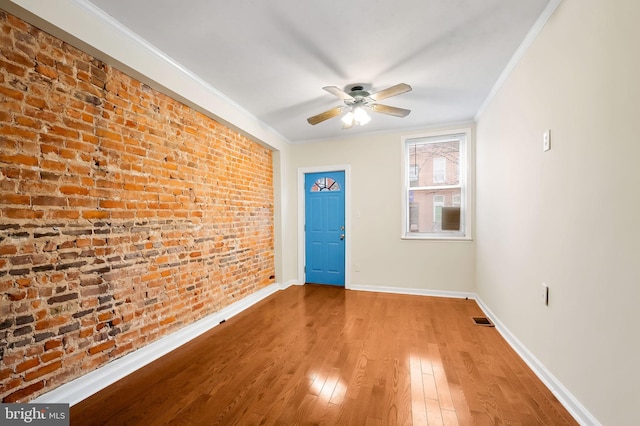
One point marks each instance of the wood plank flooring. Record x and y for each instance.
(322, 355)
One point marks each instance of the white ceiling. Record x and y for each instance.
(273, 57)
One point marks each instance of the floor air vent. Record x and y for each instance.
(483, 321)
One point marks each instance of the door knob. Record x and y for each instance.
(342, 236)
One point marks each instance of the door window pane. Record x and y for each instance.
(325, 184)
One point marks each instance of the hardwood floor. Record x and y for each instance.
(324, 355)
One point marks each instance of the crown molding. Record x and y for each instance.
(518, 55)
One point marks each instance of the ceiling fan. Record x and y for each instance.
(357, 100)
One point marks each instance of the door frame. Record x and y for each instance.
(346, 168)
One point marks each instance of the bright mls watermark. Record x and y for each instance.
(34, 414)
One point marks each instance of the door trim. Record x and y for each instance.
(346, 168)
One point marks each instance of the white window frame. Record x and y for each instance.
(466, 187)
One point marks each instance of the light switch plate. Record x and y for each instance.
(544, 294)
(546, 140)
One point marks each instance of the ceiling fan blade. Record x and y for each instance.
(391, 91)
(339, 93)
(389, 110)
(325, 115)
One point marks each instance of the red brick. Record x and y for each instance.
(13, 69)
(73, 190)
(86, 202)
(53, 165)
(5, 373)
(95, 214)
(47, 200)
(40, 114)
(27, 365)
(11, 93)
(28, 122)
(37, 102)
(105, 316)
(51, 323)
(112, 204)
(15, 199)
(52, 344)
(24, 160)
(23, 393)
(102, 347)
(123, 214)
(51, 356)
(63, 214)
(168, 320)
(47, 71)
(108, 134)
(49, 368)
(105, 183)
(22, 213)
(129, 186)
(62, 131)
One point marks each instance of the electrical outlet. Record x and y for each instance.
(544, 294)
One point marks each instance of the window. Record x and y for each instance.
(436, 195)
(325, 184)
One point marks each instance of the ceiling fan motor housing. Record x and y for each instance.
(358, 92)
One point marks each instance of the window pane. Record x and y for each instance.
(439, 170)
(430, 208)
(434, 163)
(325, 184)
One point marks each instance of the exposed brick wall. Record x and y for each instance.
(124, 214)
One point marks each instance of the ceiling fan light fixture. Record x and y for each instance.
(347, 119)
(360, 116)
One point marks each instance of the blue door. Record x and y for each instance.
(324, 228)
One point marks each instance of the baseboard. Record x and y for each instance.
(566, 398)
(84, 386)
(413, 291)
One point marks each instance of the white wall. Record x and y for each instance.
(569, 217)
(376, 205)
